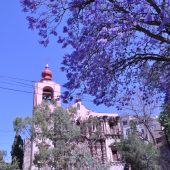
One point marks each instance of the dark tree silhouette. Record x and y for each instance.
(17, 152)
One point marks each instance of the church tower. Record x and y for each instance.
(46, 89)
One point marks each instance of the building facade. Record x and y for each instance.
(150, 131)
(108, 125)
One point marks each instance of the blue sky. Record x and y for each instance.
(22, 57)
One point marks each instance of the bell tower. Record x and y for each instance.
(46, 89)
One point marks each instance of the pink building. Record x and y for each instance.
(47, 89)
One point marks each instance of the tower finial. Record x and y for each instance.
(46, 74)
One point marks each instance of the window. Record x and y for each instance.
(153, 127)
(124, 122)
(58, 98)
(115, 155)
(47, 94)
(159, 140)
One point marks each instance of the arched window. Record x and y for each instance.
(48, 94)
(115, 155)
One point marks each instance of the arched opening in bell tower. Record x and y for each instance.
(48, 94)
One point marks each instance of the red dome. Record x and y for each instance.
(46, 74)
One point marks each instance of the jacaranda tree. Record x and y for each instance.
(114, 43)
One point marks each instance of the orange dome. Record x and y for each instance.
(46, 74)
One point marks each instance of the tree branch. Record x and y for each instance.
(150, 57)
(153, 4)
(150, 34)
(118, 7)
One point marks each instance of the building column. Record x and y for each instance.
(103, 150)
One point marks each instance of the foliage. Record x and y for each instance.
(113, 42)
(23, 125)
(164, 119)
(139, 154)
(92, 127)
(143, 111)
(58, 140)
(2, 154)
(17, 152)
(7, 166)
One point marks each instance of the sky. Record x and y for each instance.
(22, 57)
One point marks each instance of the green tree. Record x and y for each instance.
(59, 140)
(2, 162)
(138, 153)
(7, 166)
(164, 119)
(17, 152)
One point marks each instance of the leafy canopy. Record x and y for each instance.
(139, 154)
(113, 42)
(7, 166)
(164, 119)
(59, 140)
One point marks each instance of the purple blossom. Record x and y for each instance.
(53, 32)
(32, 22)
(116, 45)
(102, 41)
(65, 29)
